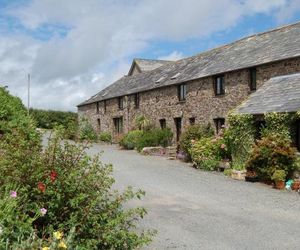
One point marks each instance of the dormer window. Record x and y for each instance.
(175, 76)
(159, 80)
(121, 102)
(181, 92)
(219, 85)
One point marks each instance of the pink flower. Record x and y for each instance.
(223, 126)
(13, 194)
(193, 141)
(223, 146)
(43, 211)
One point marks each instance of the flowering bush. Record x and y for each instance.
(194, 132)
(272, 153)
(208, 152)
(61, 189)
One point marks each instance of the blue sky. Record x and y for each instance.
(74, 48)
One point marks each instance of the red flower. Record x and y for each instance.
(41, 187)
(53, 176)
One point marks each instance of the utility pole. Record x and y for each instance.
(28, 93)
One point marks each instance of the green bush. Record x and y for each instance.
(194, 132)
(86, 131)
(278, 124)
(207, 152)
(272, 153)
(239, 137)
(154, 137)
(279, 175)
(49, 119)
(105, 137)
(61, 190)
(130, 140)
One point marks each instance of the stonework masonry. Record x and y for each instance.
(201, 102)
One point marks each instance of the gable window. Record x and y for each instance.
(104, 106)
(219, 123)
(182, 92)
(252, 73)
(192, 121)
(118, 125)
(219, 85)
(137, 100)
(97, 107)
(163, 123)
(121, 102)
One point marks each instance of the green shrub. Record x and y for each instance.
(154, 137)
(130, 140)
(143, 123)
(86, 131)
(279, 175)
(239, 137)
(278, 124)
(76, 191)
(60, 188)
(272, 153)
(105, 137)
(194, 132)
(207, 153)
(49, 119)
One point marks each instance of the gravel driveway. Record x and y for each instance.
(193, 209)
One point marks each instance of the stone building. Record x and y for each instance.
(199, 89)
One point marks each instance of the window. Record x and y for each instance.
(118, 124)
(97, 107)
(137, 100)
(252, 79)
(219, 123)
(104, 106)
(192, 120)
(163, 123)
(178, 127)
(121, 102)
(219, 85)
(99, 124)
(182, 92)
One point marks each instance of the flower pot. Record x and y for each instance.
(279, 184)
(296, 185)
(238, 174)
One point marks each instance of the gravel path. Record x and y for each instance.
(193, 209)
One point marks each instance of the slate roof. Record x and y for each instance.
(274, 45)
(279, 94)
(146, 64)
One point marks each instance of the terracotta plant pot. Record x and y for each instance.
(296, 185)
(279, 184)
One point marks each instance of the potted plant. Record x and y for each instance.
(296, 185)
(279, 178)
(238, 171)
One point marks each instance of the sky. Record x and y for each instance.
(74, 48)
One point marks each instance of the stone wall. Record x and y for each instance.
(200, 103)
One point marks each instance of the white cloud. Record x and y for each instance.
(288, 11)
(102, 35)
(173, 56)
